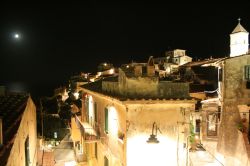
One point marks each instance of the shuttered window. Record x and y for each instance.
(106, 127)
(247, 72)
(95, 112)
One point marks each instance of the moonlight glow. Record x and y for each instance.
(16, 36)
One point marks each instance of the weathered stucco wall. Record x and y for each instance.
(173, 89)
(240, 157)
(109, 146)
(140, 118)
(140, 87)
(234, 82)
(110, 87)
(26, 129)
(145, 87)
(234, 93)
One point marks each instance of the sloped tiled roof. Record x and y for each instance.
(239, 28)
(202, 62)
(11, 109)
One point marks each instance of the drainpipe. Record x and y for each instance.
(187, 155)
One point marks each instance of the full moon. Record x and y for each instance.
(16, 36)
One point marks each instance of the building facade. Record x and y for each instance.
(135, 120)
(18, 131)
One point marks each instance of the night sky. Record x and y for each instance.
(60, 40)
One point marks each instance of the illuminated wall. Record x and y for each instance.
(109, 145)
(27, 129)
(234, 92)
(91, 110)
(238, 41)
(171, 139)
(133, 120)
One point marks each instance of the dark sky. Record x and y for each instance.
(59, 40)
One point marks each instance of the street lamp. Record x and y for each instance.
(153, 137)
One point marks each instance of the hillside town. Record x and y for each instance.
(169, 110)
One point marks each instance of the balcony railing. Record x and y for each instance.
(89, 133)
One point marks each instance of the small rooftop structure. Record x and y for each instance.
(239, 28)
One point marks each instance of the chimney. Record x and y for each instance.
(151, 67)
(151, 71)
(138, 70)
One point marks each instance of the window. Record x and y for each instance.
(220, 75)
(212, 121)
(87, 108)
(247, 72)
(197, 125)
(248, 84)
(219, 112)
(106, 161)
(106, 127)
(96, 151)
(27, 152)
(95, 112)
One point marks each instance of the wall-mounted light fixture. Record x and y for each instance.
(153, 137)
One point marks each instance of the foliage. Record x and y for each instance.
(78, 103)
(192, 134)
(50, 105)
(240, 126)
(65, 112)
(54, 124)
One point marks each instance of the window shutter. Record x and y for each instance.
(106, 120)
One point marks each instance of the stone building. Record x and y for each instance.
(225, 107)
(18, 134)
(170, 63)
(135, 119)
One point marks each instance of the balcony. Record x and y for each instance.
(88, 132)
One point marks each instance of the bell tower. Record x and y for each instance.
(238, 41)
